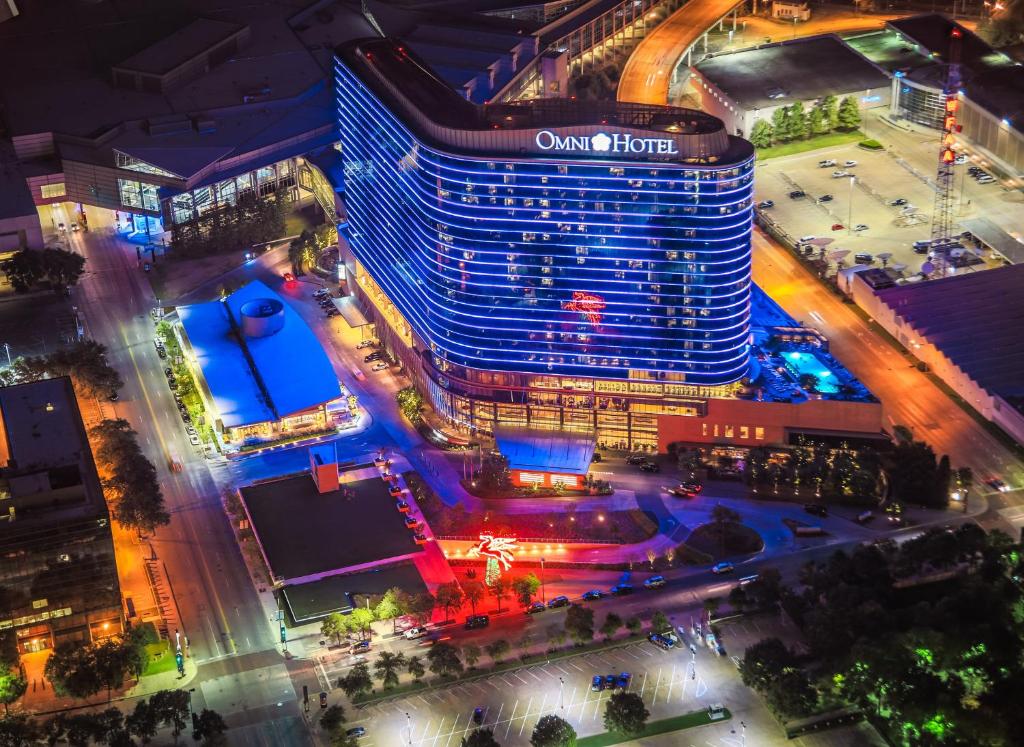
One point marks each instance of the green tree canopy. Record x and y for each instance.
(357, 681)
(444, 659)
(579, 623)
(761, 134)
(525, 588)
(625, 713)
(480, 738)
(780, 125)
(848, 116)
(552, 731)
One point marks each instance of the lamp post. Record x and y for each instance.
(8, 349)
(561, 694)
(408, 721)
(849, 215)
(543, 592)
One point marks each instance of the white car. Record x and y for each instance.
(826, 164)
(194, 440)
(805, 239)
(723, 568)
(850, 164)
(840, 174)
(961, 159)
(418, 632)
(861, 227)
(379, 366)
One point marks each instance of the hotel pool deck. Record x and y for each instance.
(808, 363)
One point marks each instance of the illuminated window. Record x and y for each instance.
(759, 434)
(744, 431)
(124, 161)
(139, 194)
(729, 433)
(50, 191)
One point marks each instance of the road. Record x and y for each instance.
(220, 610)
(909, 397)
(648, 71)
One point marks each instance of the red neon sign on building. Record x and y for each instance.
(590, 305)
(494, 548)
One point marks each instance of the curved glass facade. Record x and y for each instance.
(600, 268)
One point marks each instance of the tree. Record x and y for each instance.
(611, 625)
(62, 268)
(449, 596)
(830, 108)
(24, 269)
(765, 591)
(335, 626)
(333, 721)
(633, 625)
(474, 592)
(579, 623)
(143, 721)
(480, 738)
(817, 123)
(471, 653)
(360, 619)
(410, 402)
(83, 361)
(722, 518)
(12, 684)
(660, 622)
(136, 639)
(943, 479)
(761, 134)
(791, 694)
(551, 731)
(808, 382)
(497, 649)
(500, 589)
(763, 662)
(414, 666)
(797, 121)
(72, 670)
(444, 659)
(525, 587)
(131, 483)
(387, 667)
(389, 608)
(210, 728)
(172, 708)
(625, 713)
(357, 681)
(17, 731)
(111, 659)
(780, 125)
(848, 117)
(420, 607)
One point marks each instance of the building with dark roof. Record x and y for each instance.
(966, 328)
(56, 550)
(244, 351)
(750, 84)
(559, 265)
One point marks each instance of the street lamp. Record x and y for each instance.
(408, 721)
(561, 693)
(543, 593)
(849, 215)
(8, 349)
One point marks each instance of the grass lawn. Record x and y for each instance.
(830, 140)
(161, 658)
(665, 726)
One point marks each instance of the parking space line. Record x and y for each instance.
(578, 669)
(523, 725)
(498, 719)
(512, 718)
(518, 678)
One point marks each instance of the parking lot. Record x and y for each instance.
(880, 179)
(670, 683)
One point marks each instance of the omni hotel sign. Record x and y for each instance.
(616, 142)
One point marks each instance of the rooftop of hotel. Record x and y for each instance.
(257, 379)
(393, 61)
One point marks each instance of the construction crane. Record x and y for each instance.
(943, 240)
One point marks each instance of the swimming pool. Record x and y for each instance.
(808, 363)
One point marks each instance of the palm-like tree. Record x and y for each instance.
(387, 666)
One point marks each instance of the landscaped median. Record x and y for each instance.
(475, 674)
(664, 726)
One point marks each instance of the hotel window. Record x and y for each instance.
(744, 431)
(49, 191)
(729, 431)
(759, 434)
(138, 194)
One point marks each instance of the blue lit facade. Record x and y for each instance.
(562, 283)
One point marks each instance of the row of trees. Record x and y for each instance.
(794, 122)
(926, 637)
(305, 249)
(84, 361)
(129, 478)
(251, 220)
(166, 709)
(56, 268)
(81, 671)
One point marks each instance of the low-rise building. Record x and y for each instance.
(57, 560)
(791, 11)
(259, 369)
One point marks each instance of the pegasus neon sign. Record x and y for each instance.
(590, 305)
(499, 548)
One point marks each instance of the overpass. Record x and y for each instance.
(648, 71)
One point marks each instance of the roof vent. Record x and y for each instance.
(262, 317)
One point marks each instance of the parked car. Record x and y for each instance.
(379, 366)
(592, 595)
(162, 353)
(808, 237)
(654, 582)
(828, 163)
(372, 357)
(478, 715)
(622, 589)
(411, 522)
(596, 457)
(838, 226)
(660, 641)
(839, 174)
(597, 684)
(650, 467)
(849, 164)
(866, 259)
(623, 681)
(535, 607)
(765, 204)
(861, 227)
(323, 699)
(416, 632)
(636, 459)
(609, 682)
(477, 621)
(898, 202)
(816, 509)
(559, 601)
(419, 539)
(960, 159)
(359, 647)
(356, 731)
(364, 344)
(720, 568)
(796, 194)
(826, 198)
(403, 507)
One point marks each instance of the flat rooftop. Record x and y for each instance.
(304, 532)
(317, 599)
(41, 425)
(778, 74)
(180, 47)
(546, 451)
(975, 320)
(258, 379)
(991, 79)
